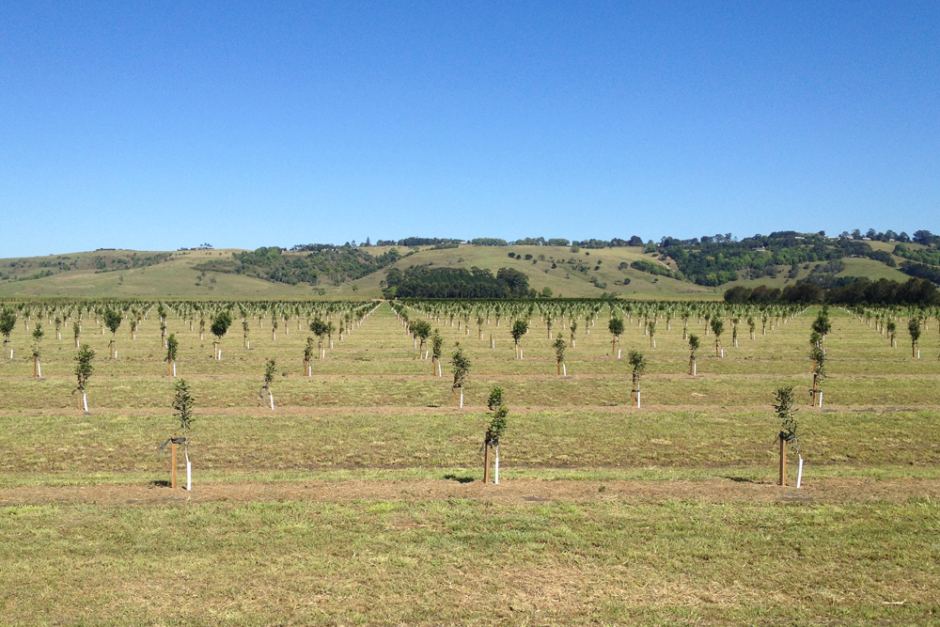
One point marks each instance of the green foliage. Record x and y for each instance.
(495, 398)
(183, 404)
(637, 363)
(821, 324)
(270, 369)
(221, 323)
(112, 319)
(319, 327)
(913, 327)
(815, 338)
(461, 366)
(644, 265)
(84, 366)
(519, 329)
(421, 329)
(172, 346)
(615, 326)
(437, 345)
(7, 322)
(38, 333)
(718, 327)
(425, 282)
(497, 426)
(694, 344)
(308, 349)
(786, 413)
(323, 262)
(846, 290)
(559, 345)
(499, 412)
(818, 355)
(929, 256)
(719, 259)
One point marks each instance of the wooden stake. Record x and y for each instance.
(173, 465)
(486, 463)
(783, 462)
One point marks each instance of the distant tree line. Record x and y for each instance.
(419, 241)
(427, 282)
(845, 291)
(441, 242)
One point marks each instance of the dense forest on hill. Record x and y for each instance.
(315, 265)
(718, 260)
(425, 282)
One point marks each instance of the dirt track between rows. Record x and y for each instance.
(730, 490)
(405, 410)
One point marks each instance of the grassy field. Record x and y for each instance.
(358, 499)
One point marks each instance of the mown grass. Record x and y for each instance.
(373, 413)
(470, 561)
(544, 439)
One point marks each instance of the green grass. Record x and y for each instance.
(434, 562)
(872, 269)
(346, 504)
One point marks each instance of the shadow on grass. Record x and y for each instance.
(743, 480)
(458, 479)
(159, 483)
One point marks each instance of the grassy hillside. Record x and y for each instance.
(585, 273)
(571, 275)
(872, 269)
(173, 278)
(102, 260)
(854, 267)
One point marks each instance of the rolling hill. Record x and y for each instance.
(561, 271)
(173, 277)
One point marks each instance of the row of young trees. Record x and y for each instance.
(112, 319)
(416, 317)
(885, 321)
(430, 345)
(420, 328)
(219, 316)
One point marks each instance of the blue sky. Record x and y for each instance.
(155, 125)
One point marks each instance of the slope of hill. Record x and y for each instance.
(102, 260)
(173, 277)
(564, 271)
(586, 273)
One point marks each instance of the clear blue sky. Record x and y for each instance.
(160, 124)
